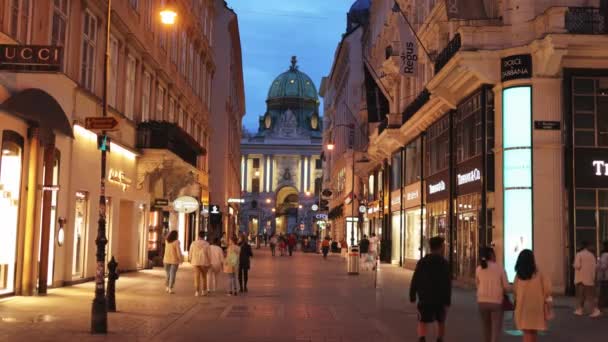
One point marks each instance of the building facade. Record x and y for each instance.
(281, 165)
(345, 123)
(228, 109)
(51, 79)
(492, 137)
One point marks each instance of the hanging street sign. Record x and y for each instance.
(185, 204)
(103, 123)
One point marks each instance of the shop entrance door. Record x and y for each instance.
(53, 221)
(81, 225)
(466, 245)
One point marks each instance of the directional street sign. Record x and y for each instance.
(102, 123)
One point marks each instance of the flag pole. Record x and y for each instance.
(397, 8)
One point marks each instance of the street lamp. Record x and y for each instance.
(99, 310)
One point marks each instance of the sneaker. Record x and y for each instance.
(171, 291)
(596, 313)
(167, 289)
(578, 312)
(195, 293)
(203, 294)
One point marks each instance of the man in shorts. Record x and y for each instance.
(432, 286)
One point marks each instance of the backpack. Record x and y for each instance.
(232, 259)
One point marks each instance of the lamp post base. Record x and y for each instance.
(99, 317)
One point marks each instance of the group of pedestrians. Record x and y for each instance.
(286, 244)
(431, 287)
(208, 261)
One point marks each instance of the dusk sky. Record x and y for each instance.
(274, 30)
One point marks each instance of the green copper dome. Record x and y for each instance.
(293, 83)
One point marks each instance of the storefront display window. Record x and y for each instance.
(10, 183)
(396, 236)
(437, 222)
(396, 168)
(413, 232)
(590, 105)
(81, 223)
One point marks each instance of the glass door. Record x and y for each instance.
(81, 224)
(10, 184)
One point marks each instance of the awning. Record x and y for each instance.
(38, 107)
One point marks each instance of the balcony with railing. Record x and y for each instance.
(448, 52)
(415, 105)
(586, 20)
(167, 135)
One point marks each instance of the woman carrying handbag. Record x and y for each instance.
(533, 301)
(492, 286)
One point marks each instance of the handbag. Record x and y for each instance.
(507, 304)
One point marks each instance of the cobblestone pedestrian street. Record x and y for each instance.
(299, 298)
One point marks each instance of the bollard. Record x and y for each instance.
(112, 277)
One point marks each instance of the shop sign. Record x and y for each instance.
(468, 176)
(185, 204)
(437, 187)
(547, 125)
(411, 195)
(320, 217)
(591, 168)
(161, 202)
(516, 67)
(119, 178)
(30, 57)
(236, 200)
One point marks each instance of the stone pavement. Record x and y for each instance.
(299, 298)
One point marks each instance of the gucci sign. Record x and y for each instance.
(30, 57)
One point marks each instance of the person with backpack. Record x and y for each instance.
(216, 255)
(244, 264)
(492, 285)
(231, 265)
(200, 260)
(325, 246)
(432, 285)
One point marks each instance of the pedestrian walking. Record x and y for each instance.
(273, 244)
(432, 285)
(603, 277)
(533, 301)
(171, 260)
(374, 248)
(492, 286)
(585, 266)
(216, 254)
(364, 250)
(291, 243)
(200, 260)
(244, 264)
(325, 246)
(231, 265)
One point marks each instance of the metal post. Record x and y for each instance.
(352, 202)
(112, 277)
(99, 313)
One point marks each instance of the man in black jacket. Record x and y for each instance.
(432, 285)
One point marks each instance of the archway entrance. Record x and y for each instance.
(287, 202)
